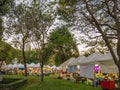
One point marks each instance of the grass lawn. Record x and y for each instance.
(51, 83)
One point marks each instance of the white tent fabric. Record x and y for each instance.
(108, 67)
(15, 65)
(73, 62)
(92, 58)
(68, 62)
(20, 65)
(87, 63)
(81, 58)
(53, 67)
(32, 65)
(37, 65)
(86, 70)
(46, 66)
(77, 61)
(104, 60)
(10, 66)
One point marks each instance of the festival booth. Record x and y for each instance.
(15, 68)
(73, 66)
(33, 69)
(105, 61)
(67, 69)
(67, 63)
(9, 66)
(47, 70)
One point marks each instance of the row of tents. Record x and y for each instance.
(19, 65)
(87, 64)
(31, 65)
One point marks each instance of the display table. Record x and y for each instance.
(67, 76)
(80, 79)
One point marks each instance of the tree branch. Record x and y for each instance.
(3, 3)
(100, 30)
(89, 19)
(108, 9)
(108, 26)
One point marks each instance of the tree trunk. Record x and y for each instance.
(42, 74)
(119, 77)
(118, 53)
(24, 59)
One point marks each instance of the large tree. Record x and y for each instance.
(63, 45)
(19, 29)
(101, 18)
(40, 27)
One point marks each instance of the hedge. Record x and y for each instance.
(14, 84)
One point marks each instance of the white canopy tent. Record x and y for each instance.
(20, 65)
(104, 60)
(68, 62)
(37, 65)
(65, 65)
(31, 65)
(53, 67)
(76, 61)
(9, 66)
(15, 65)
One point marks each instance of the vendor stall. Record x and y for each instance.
(105, 61)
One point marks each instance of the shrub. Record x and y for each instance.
(12, 83)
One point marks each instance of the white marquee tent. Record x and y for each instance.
(68, 62)
(104, 60)
(65, 65)
(33, 65)
(20, 65)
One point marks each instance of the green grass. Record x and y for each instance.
(50, 83)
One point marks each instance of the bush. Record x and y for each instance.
(11, 83)
(9, 80)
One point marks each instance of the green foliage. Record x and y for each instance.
(6, 6)
(8, 53)
(66, 9)
(4, 48)
(32, 56)
(62, 44)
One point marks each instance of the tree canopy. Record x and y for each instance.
(63, 45)
(8, 53)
